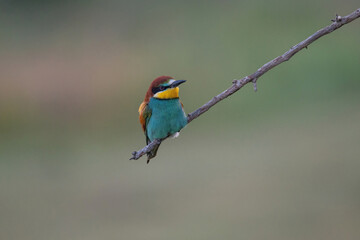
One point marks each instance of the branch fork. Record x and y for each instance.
(254, 84)
(338, 18)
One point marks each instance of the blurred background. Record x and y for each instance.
(281, 163)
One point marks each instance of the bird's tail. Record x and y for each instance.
(152, 153)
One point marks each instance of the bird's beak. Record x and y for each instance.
(177, 83)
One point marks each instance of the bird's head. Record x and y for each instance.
(164, 87)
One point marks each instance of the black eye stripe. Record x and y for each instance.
(158, 89)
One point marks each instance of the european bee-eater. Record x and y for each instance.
(161, 113)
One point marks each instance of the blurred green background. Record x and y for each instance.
(281, 163)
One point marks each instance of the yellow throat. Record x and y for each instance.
(168, 93)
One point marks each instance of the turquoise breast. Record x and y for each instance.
(167, 118)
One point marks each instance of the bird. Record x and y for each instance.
(161, 114)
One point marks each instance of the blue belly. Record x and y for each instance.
(167, 118)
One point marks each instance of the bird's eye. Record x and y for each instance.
(162, 88)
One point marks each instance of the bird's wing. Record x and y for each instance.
(144, 117)
(182, 105)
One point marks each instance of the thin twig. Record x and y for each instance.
(238, 84)
(146, 149)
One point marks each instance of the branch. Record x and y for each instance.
(239, 83)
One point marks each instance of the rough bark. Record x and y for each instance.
(239, 83)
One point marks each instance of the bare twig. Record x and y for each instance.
(148, 148)
(238, 84)
(254, 84)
